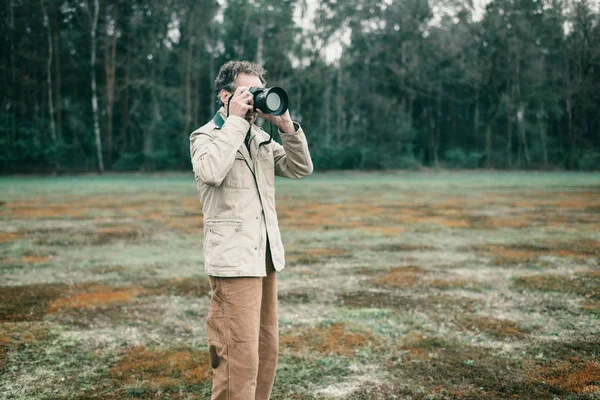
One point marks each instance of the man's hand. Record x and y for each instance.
(282, 122)
(241, 102)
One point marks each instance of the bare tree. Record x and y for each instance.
(188, 71)
(110, 55)
(49, 72)
(57, 81)
(94, 21)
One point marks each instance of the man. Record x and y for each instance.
(235, 165)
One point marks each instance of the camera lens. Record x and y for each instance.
(273, 101)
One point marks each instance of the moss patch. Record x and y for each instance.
(328, 339)
(193, 286)
(402, 247)
(314, 255)
(457, 283)
(528, 253)
(32, 302)
(27, 302)
(15, 336)
(151, 370)
(93, 296)
(572, 376)
(295, 297)
(432, 303)
(584, 284)
(498, 328)
(447, 369)
(400, 277)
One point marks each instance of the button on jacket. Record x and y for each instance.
(236, 185)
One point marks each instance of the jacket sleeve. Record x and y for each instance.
(213, 153)
(292, 160)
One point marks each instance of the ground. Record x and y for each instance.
(397, 286)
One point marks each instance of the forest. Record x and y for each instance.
(107, 85)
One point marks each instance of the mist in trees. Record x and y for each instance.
(118, 86)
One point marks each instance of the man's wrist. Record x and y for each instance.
(288, 127)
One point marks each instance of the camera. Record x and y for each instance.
(272, 101)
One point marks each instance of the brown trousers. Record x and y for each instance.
(243, 336)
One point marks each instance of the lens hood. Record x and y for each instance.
(272, 100)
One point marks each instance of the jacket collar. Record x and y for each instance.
(221, 116)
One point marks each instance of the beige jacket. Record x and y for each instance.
(237, 192)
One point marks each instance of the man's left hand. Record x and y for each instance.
(282, 122)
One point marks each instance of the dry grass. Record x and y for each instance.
(456, 283)
(433, 304)
(332, 339)
(94, 296)
(27, 302)
(592, 306)
(166, 369)
(132, 256)
(314, 255)
(6, 237)
(14, 336)
(400, 277)
(32, 302)
(528, 253)
(584, 284)
(498, 328)
(574, 375)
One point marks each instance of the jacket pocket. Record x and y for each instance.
(222, 242)
(240, 175)
(267, 167)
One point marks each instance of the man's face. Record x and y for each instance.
(249, 81)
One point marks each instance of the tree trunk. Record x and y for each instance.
(438, 128)
(244, 30)
(523, 132)
(210, 44)
(110, 55)
(476, 116)
(509, 115)
(432, 145)
(339, 105)
(57, 83)
(211, 66)
(325, 123)
(261, 33)
(94, 20)
(157, 82)
(188, 73)
(49, 72)
(125, 98)
(541, 116)
(569, 107)
(488, 144)
(196, 93)
(13, 70)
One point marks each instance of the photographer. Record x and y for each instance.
(235, 163)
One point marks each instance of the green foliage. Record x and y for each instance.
(588, 160)
(414, 85)
(129, 162)
(458, 158)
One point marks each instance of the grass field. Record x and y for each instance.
(397, 286)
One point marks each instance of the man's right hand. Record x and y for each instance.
(241, 102)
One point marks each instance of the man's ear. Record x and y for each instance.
(224, 96)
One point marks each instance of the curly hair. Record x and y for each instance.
(231, 70)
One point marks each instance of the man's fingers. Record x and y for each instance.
(247, 107)
(241, 89)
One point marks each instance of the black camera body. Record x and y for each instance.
(272, 101)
